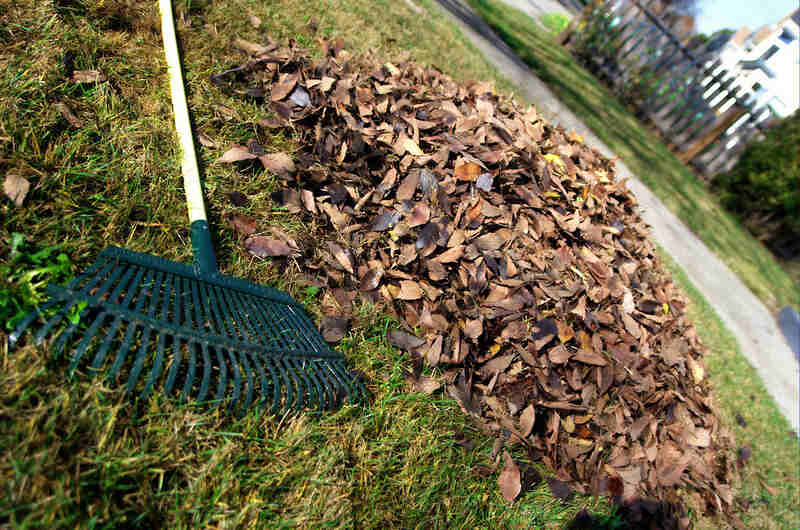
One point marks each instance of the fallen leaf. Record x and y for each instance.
(384, 221)
(509, 479)
(473, 329)
(237, 153)
(590, 357)
(469, 171)
(423, 384)
(16, 188)
(244, 224)
(279, 163)
(404, 341)
(255, 21)
(772, 491)
(205, 140)
(411, 147)
(526, 420)
(410, 290)
(371, 279)
(559, 489)
(344, 257)
(284, 86)
(261, 247)
(68, 115)
(333, 329)
(88, 76)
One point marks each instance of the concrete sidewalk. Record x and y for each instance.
(745, 316)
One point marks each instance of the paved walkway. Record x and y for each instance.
(745, 316)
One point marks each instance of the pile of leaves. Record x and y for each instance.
(516, 261)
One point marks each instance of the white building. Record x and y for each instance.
(766, 64)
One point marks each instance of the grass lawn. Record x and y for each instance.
(77, 454)
(643, 153)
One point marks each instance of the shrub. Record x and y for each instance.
(763, 189)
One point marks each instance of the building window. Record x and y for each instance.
(787, 37)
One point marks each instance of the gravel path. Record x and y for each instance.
(745, 316)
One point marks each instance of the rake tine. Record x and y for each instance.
(143, 349)
(187, 385)
(176, 300)
(64, 336)
(55, 319)
(131, 331)
(286, 384)
(248, 398)
(29, 318)
(262, 377)
(173, 369)
(33, 315)
(222, 303)
(311, 384)
(241, 313)
(237, 379)
(300, 391)
(342, 381)
(140, 357)
(268, 324)
(100, 356)
(101, 317)
(157, 365)
(276, 387)
(206, 381)
(316, 376)
(188, 306)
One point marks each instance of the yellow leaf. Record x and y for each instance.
(411, 147)
(554, 159)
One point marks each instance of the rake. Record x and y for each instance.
(211, 337)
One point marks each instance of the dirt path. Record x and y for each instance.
(745, 316)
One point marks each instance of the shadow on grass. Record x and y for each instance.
(634, 514)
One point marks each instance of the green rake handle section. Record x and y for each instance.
(203, 250)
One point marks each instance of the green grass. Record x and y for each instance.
(75, 453)
(554, 22)
(643, 153)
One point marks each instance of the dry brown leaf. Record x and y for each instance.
(343, 256)
(244, 224)
(88, 76)
(261, 247)
(509, 479)
(423, 384)
(279, 163)
(68, 115)
(205, 140)
(284, 86)
(16, 187)
(410, 290)
(237, 153)
(526, 420)
(468, 171)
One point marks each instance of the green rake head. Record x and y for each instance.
(210, 337)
